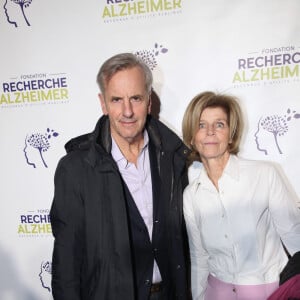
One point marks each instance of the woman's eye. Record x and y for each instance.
(220, 125)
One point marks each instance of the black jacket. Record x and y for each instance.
(92, 256)
(291, 269)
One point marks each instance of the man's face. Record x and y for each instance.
(127, 103)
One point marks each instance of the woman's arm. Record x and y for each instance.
(284, 212)
(199, 256)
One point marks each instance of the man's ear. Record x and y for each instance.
(103, 104)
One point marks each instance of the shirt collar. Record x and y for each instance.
(231, 169)
(118, 155)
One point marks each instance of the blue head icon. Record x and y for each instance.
(271, 128)
(45, 274)
(15, 11)
(35, 145)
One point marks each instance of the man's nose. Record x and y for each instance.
(127, 108)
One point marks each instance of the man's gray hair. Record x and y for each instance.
(120, 62)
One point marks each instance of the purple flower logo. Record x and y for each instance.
(149, 56)
(276, 125)
(38, 143)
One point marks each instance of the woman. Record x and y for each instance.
(237, 211)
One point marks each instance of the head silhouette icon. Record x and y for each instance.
(36, 144)
(270, 129)
(45, 274)
(15, 12)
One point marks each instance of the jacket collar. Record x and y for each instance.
(159, 134)
(100, 141)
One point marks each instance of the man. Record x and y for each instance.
(117, 209)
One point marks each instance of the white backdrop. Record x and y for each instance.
(50, 55)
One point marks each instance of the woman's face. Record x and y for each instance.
(212, 137)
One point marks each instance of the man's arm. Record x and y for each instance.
(66, 221)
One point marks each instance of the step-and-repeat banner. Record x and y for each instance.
(51, 52)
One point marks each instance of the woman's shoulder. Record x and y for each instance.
(194, 171)
(256, 165)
